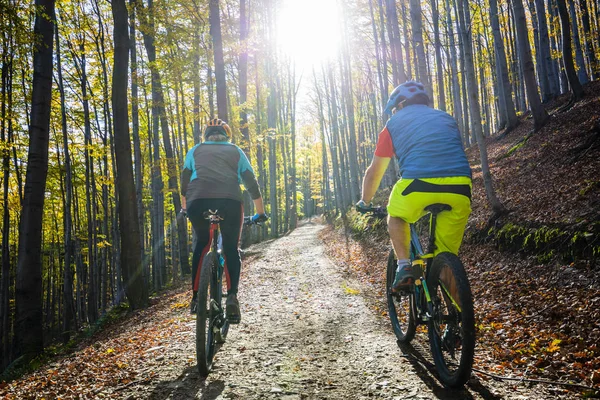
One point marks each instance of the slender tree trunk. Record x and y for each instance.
(545, 54)
(215, 31)
(438, 56)
(378, 55)
(135, 126)
(28, 327)
(272, 142)
(384, 63)
(407, 40)
(589, 47)
(542, 74)
(540, 117)
(465, 21)
(503, 80)
(5, 119)
(466, 127)
(69, 309)
(419, 44)
(581, 71)
(133, 275)
(574, 82)
(394, 37)
(456, 100)
(196, 79)
(348, 94)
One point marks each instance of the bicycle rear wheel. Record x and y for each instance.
(452, 326)
(205, 338)
(400, 306)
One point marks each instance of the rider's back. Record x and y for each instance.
(217, 169)
(427, 143)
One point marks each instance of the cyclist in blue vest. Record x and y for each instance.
(433, 169)
(210, 180)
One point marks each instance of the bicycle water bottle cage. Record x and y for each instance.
(212, 216)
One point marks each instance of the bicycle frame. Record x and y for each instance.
(214, 234)
(420, 258)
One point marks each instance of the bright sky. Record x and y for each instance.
(308, 31)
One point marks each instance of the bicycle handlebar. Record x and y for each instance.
(248, 221)
(379, 212)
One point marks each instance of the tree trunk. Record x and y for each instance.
(378, 56)
(438, 56)
(384, 63)
(69, 308)
(545, 54)
(135, 126)
(464, 22)
(581, 71)
(503, 80)
(456, 100)
(394, 37)
(133, 275)
(540, 117)
(419, 45)
(567, 52)
(589, 47)
(6, 119)
(215, 31)
(28, 325)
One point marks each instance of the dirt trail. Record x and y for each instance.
(307, 333)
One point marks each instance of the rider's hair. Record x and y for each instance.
(420, 98)
(217, 137)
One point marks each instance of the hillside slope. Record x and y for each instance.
(535, 271)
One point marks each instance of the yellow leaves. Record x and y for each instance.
(554, 346)
(110, 351)
(103, 243)
(179, 305)
(496, 325)
(350, 290)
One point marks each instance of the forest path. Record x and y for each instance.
(307, 333)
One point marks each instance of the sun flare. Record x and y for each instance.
(308, 30)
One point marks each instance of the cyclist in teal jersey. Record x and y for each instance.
(210, 180)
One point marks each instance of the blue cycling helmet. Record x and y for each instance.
(403, 92)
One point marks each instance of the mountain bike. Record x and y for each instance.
(212, 325)
(440, 298)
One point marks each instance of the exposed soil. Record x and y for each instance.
(309, 331)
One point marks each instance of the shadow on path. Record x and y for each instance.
(187, 386)
(427, 372)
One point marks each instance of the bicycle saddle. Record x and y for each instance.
(213, 215)
(438, 208)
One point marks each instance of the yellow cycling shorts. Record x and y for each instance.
(410, 197)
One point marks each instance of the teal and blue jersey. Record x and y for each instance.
(215, 170)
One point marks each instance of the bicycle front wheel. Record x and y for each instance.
(400, 305)
(205, 338)
(452, 325)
